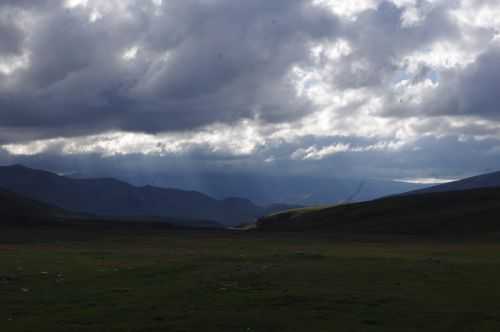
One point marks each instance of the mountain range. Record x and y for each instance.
(108, 197)
(28, 195)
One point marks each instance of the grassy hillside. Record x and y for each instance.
(463, 212)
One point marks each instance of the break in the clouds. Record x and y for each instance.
(397, 89)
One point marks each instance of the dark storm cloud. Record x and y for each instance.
(473, 91)
(199, 63)
(11, 38)
(133, 66)
(196, 64)
(380, 38)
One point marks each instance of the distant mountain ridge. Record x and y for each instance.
(108, 197)
(265, 189)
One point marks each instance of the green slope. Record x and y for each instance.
(461, 212)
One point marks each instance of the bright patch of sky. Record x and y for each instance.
(130, 53)
(347, 8)
(426, 181)
(9, 65)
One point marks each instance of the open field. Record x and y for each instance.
(65, 279)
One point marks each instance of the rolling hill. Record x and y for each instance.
(117, 199)
(490, 180)
(439, 213)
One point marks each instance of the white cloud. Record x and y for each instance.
(217, 139)
(184, 84)
(315, 153)
(347, 8)
(8, 65)
(130, 53)
(76, 3)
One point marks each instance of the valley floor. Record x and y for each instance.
(83, 280)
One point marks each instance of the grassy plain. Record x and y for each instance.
(76, 279)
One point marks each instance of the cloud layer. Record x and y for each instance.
(151, 66)
(408, 85)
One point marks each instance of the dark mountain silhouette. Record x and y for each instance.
(490, 180)
(15, 210)
(113, 198)
(440, 213)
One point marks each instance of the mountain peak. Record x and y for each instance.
(109, 197)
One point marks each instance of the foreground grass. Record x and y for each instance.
(62, 280)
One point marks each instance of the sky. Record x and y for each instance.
(396, 89)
